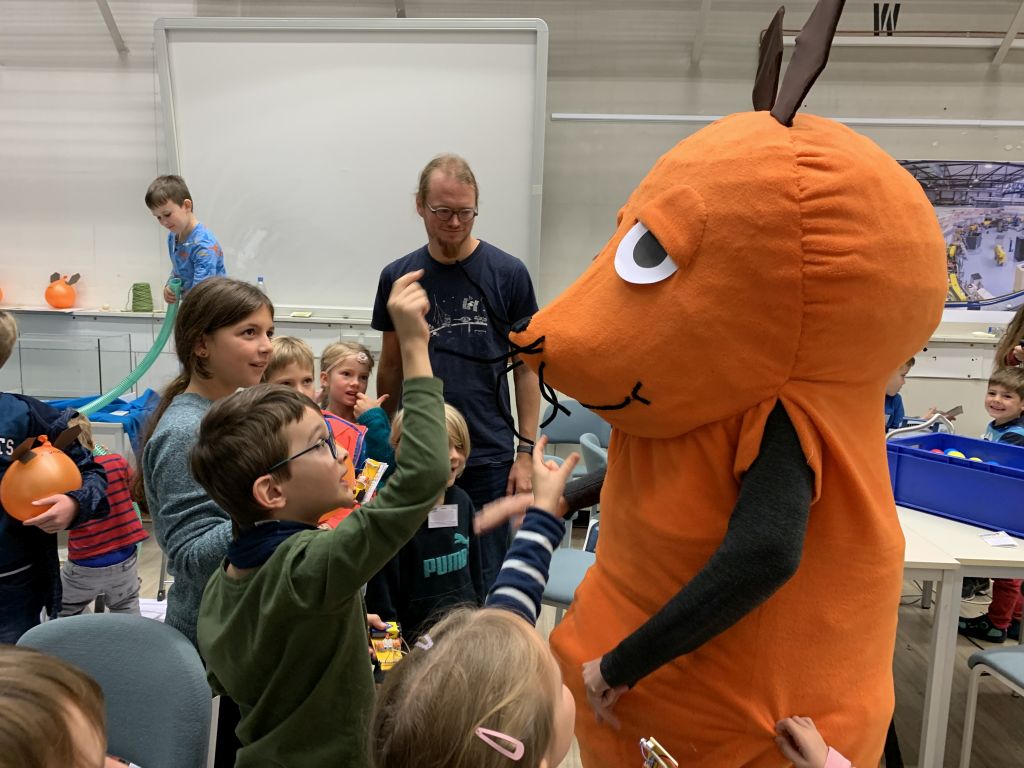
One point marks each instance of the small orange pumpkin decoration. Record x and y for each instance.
(60, 293)
(36, 473)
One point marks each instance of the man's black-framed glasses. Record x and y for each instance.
(445, 214)
(328, 441)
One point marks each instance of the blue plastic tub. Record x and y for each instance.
(980, 493)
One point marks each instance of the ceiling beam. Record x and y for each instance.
(115, 33)
(702, 27)
(912, 41)
(1011, 37)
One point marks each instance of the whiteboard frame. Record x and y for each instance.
(163, 28)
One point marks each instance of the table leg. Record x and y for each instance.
(926, 594)
(939, 685)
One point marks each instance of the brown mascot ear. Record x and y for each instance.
(809, 58)
(24, 450)
(677, 218)
(67, 437)
(769, 64)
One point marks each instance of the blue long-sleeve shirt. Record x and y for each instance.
(195, 259)
(895, 416)
(378, 439)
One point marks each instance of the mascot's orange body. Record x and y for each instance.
(804, 266)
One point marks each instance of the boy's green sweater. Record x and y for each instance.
(289, 642)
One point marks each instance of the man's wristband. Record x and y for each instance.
(524, 448)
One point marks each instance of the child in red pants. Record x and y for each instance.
(1003, 617)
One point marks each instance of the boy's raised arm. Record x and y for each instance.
(371, 535)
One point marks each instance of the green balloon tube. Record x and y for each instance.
(129, 381)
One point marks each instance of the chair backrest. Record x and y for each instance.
(595, 457)
(590, 541)
(157, 698)
(567, 429)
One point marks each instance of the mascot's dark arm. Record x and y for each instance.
(584, 491)
(760, 552)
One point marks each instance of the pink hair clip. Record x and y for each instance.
(487, 736)
(362, 357)
(424, 642)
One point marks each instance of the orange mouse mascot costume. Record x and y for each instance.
(764, 280)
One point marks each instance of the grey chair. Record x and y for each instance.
(1004, 664)
(157, 699)
(595, 455)
(565, 429)
(568, 567)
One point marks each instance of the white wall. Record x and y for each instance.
(80, 137)
(79, 143)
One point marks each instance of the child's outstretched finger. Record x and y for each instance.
(569, 465)
(501, 511)
(405, 281)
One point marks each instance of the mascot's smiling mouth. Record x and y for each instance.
(632, 397)
(548, 393)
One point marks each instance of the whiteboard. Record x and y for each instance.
(302, 140)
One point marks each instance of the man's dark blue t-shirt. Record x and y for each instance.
(474, 323)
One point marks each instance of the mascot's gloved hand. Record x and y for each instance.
(602, 697)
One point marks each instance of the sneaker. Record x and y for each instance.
(973, 586)
(981, 629)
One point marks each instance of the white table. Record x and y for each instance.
(976, 558)
(926, 561)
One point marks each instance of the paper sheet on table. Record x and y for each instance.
(998, 539)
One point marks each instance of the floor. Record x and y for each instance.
(999, 733)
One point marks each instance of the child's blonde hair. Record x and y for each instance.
(36, 694)
(458, 429)
(285, 350)
(335, 354)
(484, 668)
(8, 336)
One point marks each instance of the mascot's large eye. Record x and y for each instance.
(641, 259)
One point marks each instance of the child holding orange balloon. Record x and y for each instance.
(29, 571)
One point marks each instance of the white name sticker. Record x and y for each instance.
(444, 516)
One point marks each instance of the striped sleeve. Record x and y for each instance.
(524, 574)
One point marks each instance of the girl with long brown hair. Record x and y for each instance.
(222, 339)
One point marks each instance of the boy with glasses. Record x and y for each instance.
(282, 626)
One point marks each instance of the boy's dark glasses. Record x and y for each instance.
(328, 441)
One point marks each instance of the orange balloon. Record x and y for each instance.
(60, 295)
(49, 471)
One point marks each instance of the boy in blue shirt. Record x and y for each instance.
(195, 253)
(895, 416)
(29, 571)
(1004, 402)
